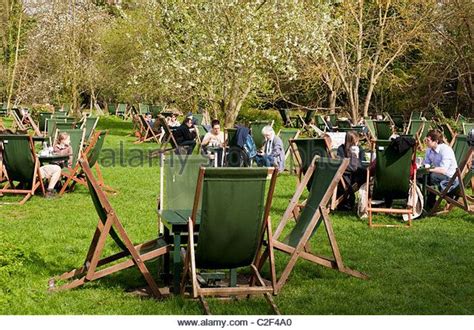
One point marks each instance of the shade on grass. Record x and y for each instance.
(423, 270)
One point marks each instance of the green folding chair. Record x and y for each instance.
(305, 150)
(156, 110)
(121, 110)
(399, 122)
(110, 225)
(111, 109)
(22, 167)
(371, 127)
(256, 131)
(325, 175)
(455, 192)
(286, 135)
(383, 129)
(198, 118)
(415, 115)
(91, 154)
(309, 115)
(89, 124)
(343, 124)
(229, 235)
(146, 131)
(415, 127)
(321, 123)
(467, 127)
(333, 119)
(392, 181)
(143, 108)
(448, 133)
(43, 116)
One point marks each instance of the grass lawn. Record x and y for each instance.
(427, 269)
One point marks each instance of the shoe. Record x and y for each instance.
(50, 194)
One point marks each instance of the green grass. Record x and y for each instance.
(427, 269)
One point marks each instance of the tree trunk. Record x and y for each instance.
(15, 63)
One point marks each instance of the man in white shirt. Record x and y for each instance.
(441, 159)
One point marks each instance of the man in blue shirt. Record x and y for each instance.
(442, 162)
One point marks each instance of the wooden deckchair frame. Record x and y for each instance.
(19, 121)
(84, 125)
(146, 131)
(112, 226)
(37, 182)
(303, 248)
(168, 137)
(464, 201)
(190, 269)
(74, 173)
(408, 211)
(290, 151)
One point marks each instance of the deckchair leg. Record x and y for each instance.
(204, 304)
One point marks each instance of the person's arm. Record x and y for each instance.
(206, 139)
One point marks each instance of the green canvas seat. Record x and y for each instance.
(229, 235)
(321, 123)
(143, 108)
(198, 118)
(305, 150)
(4, 110)
(448, 133)
(256, 131)
(333, 119)
(121, 110)
(392, 180)
(286, 135)
(168, 138)
(111, 109)
(467, 127)
(309, 115)
(415, 115)
(343, 124)
(89, 125)
(383, 129)
(369, 123)
(145, 131)
(21, 165)
(325, 174)
(43, 116)
(91, 154)
(399, 122)
(415, 127)
(455, 192)
(156, 110)
(110, 225)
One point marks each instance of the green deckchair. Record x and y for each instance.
(109, 224)
(286, 118)
(286, 135)
(178, 179)
(392, 180)
(256, 131)
(383, 129)
(143, 108)
(343, 124)
(309, 115)
(21, 165)
(448, 133)
(63, 126)
(89, 124)
(121, 110)
(455, 191)
(321, 123)
(399, 122)
(43, 116)
(4, 109)
(234, 218)
(371, 127)
(111, 109)
(325, 174)
(167, 138)
(146, 131)
(467, 127)
(305, 150)
(77, 137)
(415, 115)
(415, 127)
(198, 118)
(426, 128)
(155, 110)
(91, 154)
(333, 119)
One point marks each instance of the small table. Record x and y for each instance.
(218, 153)
(423, 174)
(176, 225)
(52, 158)
(38, 138)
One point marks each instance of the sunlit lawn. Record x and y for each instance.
(427, 269)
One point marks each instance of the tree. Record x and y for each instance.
(372, 35)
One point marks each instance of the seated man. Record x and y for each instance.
(273, 153)
(442, 161)
(185, 135)
(52, 173)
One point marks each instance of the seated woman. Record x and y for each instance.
(214, 138)
(354, 173)
(63, 147)
(185, 135)
(172, 121)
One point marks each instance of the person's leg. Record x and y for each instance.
(259, 159)
(434, 180)
(52, 173)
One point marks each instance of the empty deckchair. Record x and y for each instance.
(198, 118)
(89, 124)
(455, 193)
(230, 236)
(111, 109)
(305, 150)
(286, 135)
(109, 224)
(399, 122)
(309, 116)
(256, 131)
(383, 129)
(18, 119)
(392, 180)
(178, 180)
(42, 120)
(321, 123)
(168, 138)
(325, 174)
(22, 167)
(448, 133)
(467, 127)
(143, 108)
(415, 115)
(91, 154)
(371, 127)
(415, 127)
(121, 110)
